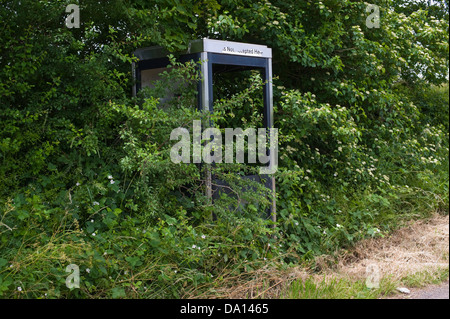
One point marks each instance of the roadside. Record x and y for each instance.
(432, 292)
(415, 257)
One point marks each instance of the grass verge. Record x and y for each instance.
(413, 256)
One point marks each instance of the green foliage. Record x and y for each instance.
(433, 103)
(86, 176)
(135, 222)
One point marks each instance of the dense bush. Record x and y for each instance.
(86, 176)
(433, 104)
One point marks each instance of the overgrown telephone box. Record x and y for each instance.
(214, 56)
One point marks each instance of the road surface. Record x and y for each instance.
(430, 292)
(434, 292)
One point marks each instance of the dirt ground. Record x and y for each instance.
(419, 246)
(422, 246)
(432, 292)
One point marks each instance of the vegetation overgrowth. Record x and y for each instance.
(86, 176)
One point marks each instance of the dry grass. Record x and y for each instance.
(266, 282)
(420, 247)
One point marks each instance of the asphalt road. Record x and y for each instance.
(434, 292)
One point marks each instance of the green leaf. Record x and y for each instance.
(118, 292)
(3, 262)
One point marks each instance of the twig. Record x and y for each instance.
(269, 288)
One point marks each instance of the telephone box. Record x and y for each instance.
(214, 56)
